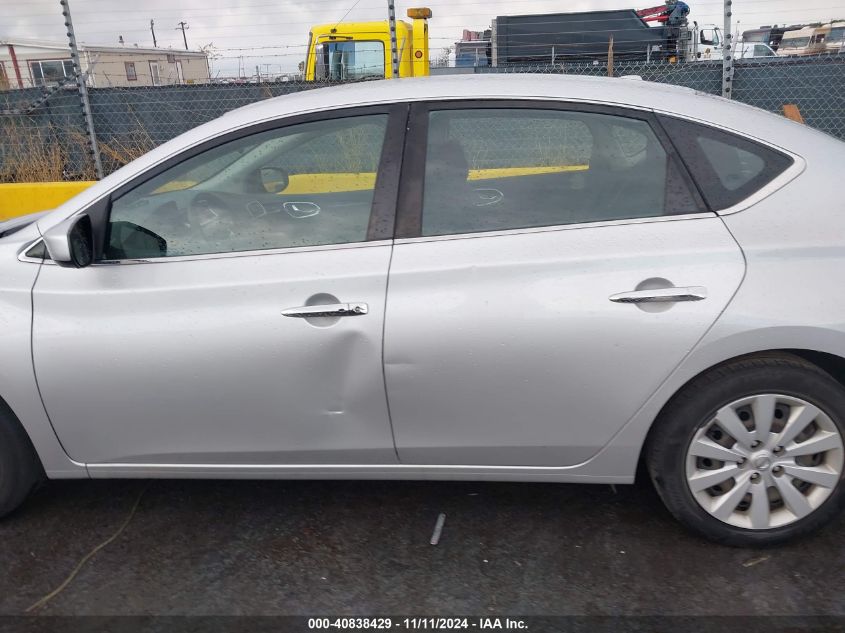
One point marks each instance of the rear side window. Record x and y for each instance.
(493, 169)
(727, 168)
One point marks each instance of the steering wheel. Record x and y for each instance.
(211, 218)
(487, 197)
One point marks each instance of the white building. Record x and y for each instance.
(29, 63)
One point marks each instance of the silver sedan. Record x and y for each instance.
(532, 278)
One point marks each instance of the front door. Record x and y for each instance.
(236, 315)
(556, 266)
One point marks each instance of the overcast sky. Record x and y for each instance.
(273, 34)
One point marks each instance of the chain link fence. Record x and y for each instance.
(43, 137)
(49, 142)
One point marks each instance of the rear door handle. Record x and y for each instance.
(661, 295)
(328, 310)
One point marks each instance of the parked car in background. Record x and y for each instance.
(768, 34)
(503, 277)
(747, 50)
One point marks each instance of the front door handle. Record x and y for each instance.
(328, 310)
(661, 295)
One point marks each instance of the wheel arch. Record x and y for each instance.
(830, 363)
(8, 416)
(36, 428)
(823, 347)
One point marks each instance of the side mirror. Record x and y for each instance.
(274, 179)
(71, 243)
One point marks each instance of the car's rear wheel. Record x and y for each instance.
(751, 453)
(20, 468)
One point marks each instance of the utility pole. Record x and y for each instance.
(394, 54)
(153, 31)
(727, 53)
(184, 25)
(83, 90)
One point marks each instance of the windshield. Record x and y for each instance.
(756, 36)
(338, 61)
(837, 34)
(796, 42)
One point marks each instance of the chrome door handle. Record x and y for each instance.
(329, 310)
(661, 295)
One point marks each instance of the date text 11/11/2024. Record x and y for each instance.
(417, 623)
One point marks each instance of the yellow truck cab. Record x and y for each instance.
(361, 50)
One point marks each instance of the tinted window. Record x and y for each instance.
(727, 168)
(495, 169)
(303, 185)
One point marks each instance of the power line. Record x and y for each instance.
(347, 12)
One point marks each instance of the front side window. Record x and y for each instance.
(303, 185)
(495, 169)
(131, 75)
(344, 60)
(710, 37)
(727, 168)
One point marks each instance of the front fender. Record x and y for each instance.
(18, 386)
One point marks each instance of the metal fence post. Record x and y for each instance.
(727, 53)
(394, 54)
(82, 86)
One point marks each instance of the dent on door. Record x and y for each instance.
(515, 349)
(193, 362)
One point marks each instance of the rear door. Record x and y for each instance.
(553, 265)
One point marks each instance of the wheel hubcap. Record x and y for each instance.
(764, 461)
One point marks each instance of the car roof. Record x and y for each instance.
(629, 91)
(470, 86)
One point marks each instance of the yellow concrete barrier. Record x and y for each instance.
(28, 197)
(303, 184)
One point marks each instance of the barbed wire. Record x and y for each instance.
(132, 120)
(41, 126)
(286, 23)
(272, 7)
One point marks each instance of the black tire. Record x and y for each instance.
(695, 406)
(20, 468)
